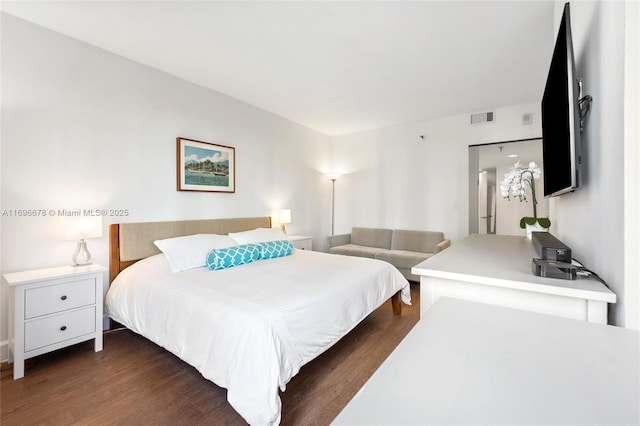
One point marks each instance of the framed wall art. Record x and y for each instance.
(205, 166)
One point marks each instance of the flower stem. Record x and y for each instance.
(533, 196)
(532, 185)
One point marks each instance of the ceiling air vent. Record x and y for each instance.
(481, 118)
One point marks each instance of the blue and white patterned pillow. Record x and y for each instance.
(271, 249)
(233, 256)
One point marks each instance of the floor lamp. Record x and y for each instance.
(333, 177)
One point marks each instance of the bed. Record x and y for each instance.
(248, 328)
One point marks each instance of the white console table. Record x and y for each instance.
(496, 269)
(468, 363)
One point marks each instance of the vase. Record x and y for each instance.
(536, 227)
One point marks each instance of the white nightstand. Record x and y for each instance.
(302, 242)
(53, 308)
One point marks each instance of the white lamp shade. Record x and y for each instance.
(285, 216)
(83, 227)
(333, 176)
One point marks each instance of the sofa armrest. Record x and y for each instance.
(339, 240)
(442, 245)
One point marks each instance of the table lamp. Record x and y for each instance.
(80, 228)
(284, 218)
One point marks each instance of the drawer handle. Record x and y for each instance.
(63, 298)
(63, 328)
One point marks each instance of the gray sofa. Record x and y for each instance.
(402, 248)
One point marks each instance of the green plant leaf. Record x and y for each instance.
(527, 221)
(544, 222)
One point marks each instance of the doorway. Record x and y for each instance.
(489, 212)
(487, 201)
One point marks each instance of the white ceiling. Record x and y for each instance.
(337, 67)
(506, 154)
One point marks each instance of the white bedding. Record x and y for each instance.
(250, 328)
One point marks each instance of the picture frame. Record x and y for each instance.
(205, 166)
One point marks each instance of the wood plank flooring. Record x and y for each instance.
(134, 382)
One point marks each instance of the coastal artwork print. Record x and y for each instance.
(204, 166)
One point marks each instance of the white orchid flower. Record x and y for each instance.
(517, 179)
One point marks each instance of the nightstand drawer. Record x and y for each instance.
(301, 242)
(58, 328)
(59, 297)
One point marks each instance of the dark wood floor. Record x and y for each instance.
(133, 381)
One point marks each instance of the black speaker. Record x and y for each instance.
(550, 248)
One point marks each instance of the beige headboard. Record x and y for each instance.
(130, 242)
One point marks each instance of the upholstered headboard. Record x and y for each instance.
(130, 242)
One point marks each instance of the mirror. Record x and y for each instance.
(489, 212)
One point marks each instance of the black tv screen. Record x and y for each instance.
(560, 117)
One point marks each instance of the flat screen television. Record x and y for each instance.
(561, 159)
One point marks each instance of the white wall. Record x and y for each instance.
(631, 162)
(394, 179)
(82, 128)
(591, 220)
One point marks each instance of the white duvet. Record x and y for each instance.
(250, 328)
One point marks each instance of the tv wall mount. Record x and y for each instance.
(584, 104)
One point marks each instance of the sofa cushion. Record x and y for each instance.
(371, 237)
(403, 258)
(416, 241)
(356, 250)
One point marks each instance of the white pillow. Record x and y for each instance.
(258, 235)
(191, 251)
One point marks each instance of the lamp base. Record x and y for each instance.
(284, 229)
(81, 257)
